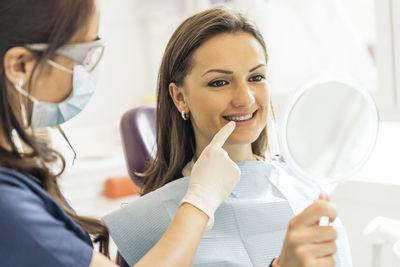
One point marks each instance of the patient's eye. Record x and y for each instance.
(218, 83)
(257, 78)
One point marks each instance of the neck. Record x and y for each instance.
(240, 152)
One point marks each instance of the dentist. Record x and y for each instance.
(49, 51)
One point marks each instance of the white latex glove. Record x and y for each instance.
(213, 177)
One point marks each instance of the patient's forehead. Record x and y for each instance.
(227, 51)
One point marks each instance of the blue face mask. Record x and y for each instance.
(45, 114)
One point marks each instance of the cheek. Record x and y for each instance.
(52, 84)
(54, 87)
(206, 110)
(262, 98)
(63, 85)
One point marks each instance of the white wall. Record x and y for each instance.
(358, 203)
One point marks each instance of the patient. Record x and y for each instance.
(214, 71)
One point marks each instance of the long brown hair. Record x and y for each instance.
(40, 21)
(175, 137)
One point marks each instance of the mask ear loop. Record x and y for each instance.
(17, 141)
(58, 66)
(21, 91)
(69, 143)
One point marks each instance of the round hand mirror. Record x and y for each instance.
(328, 131)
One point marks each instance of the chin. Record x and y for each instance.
(243, 139)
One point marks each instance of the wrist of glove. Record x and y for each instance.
(195, 197)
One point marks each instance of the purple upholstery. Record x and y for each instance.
(120, 261)
(138, 132)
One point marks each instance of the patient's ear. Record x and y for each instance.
(178, 96)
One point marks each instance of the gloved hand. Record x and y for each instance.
(213, 177)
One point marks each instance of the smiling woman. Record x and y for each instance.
(213, 72)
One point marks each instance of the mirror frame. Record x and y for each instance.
(282, 130)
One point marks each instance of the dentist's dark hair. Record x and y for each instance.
(54, 22)
(175, 137)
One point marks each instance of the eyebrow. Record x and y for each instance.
(256, 67)
(231, 72)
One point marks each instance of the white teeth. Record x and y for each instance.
(239, 118)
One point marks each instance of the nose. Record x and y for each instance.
(243, 96)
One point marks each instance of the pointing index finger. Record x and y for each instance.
(223, 134)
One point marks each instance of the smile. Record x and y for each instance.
(237, 118)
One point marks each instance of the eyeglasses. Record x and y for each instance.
(87, 54)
